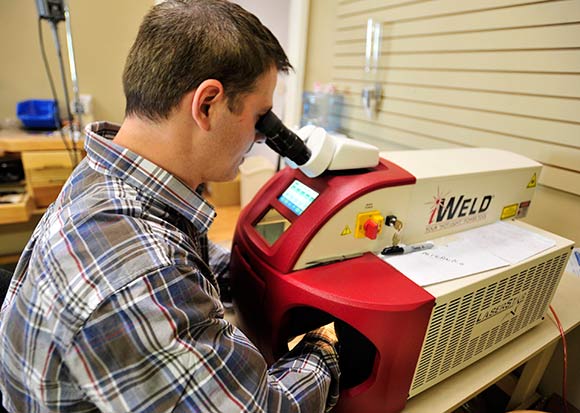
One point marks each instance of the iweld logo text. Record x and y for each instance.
(447, 212)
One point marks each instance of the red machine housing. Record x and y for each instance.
(381, 316)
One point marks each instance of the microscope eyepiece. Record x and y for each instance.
(283, 140)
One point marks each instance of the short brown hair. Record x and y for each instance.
(181, 43)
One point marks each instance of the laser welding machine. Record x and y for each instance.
(305, 253)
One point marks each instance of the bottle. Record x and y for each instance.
(314, 107)
(335, 102)
(322, 107)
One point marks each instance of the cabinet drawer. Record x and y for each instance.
(17, 212)
(46, 168)
(46, 172)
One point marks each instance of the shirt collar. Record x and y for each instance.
(109, 158)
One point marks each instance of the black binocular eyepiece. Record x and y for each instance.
(283, 140)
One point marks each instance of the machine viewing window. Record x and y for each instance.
(272, 226)
(297, 197)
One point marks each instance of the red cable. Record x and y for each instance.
(565, 352)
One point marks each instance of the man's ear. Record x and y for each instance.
(209, 93)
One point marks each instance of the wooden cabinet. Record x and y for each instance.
(46, 172)
(47, 165)
(18, 211)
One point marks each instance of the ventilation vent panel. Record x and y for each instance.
(467, 328)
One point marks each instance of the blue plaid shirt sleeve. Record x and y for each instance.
(161, 345)
(110, 309)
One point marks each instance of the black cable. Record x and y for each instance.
(53, 90)
(47, 67)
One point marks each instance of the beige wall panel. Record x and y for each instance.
(558, 212)
(321, 34)
(382, 144)
(394, 135)
(552, 176)
(418, 10)
(561, 61)
(110, 44)
(538, 14)
(350, 7)
(566, 110)
(565, 157)
(524, 83)
(561, 179)
(103, 32)
(519, 127)
(535, 38)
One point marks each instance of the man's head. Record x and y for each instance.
(181, 43)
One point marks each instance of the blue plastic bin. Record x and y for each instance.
(38, 114)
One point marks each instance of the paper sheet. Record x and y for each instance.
(508, 241)
(573, 265)
(470, 252)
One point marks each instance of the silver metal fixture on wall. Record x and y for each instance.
(371, 94)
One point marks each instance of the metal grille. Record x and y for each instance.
(466, 328)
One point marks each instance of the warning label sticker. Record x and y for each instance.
(509, 211)
(346, 231)
(533, 181)
(523, 209)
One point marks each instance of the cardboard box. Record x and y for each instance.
(224, 193)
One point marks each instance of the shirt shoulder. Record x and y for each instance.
(100, 236)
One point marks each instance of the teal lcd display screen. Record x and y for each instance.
(297, 197)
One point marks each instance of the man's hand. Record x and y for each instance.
(325, 332)
(328, 333)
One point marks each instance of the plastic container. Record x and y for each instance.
(322, 109)
(38, 114)
(255, 172)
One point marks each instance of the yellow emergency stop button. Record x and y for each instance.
(369, 225)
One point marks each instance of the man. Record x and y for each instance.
(112, 307)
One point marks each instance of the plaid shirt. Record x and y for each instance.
(111, 308)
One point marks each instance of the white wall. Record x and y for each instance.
(274, 14)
